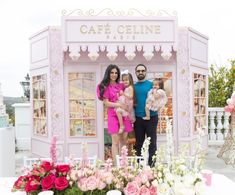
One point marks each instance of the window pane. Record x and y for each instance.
(82, 104)
(39, 105)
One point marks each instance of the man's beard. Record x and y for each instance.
(141, 77)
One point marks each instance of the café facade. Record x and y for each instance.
(68, 62)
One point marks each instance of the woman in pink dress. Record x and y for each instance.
(108, 91)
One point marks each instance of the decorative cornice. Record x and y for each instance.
(110, 12)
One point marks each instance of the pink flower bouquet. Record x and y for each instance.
(231, 104)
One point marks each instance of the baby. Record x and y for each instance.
(156, 98)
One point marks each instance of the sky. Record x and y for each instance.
(21, 19)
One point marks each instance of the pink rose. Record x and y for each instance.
(38, 171)
(61, 183)
(48, 182)
(132, 188)
(144, 191)
(20, 183)
(47, 166)
(64, 169)
(91, 183)
(153, 190)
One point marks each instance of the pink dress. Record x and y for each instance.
(156, 99)
(111, 93)
(129, 102)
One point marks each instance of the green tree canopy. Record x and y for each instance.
(221, 82)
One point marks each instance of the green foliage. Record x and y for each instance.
(9, 101)
(221, 81)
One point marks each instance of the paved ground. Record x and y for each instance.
(218, 165)
(213, 163)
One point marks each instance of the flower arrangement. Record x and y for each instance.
(231, 104)
(171, 174)
(45, 176)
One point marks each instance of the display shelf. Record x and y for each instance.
(199, 87)
(39, 104)
(82, 115)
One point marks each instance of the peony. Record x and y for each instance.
(91, 183)
(61, 183)
(132, 188)
(48, 182)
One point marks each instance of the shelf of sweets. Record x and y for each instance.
(166, 111)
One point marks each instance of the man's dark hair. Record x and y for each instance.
(140, 65)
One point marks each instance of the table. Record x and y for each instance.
(220, 185)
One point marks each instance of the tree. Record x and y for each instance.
(221, 81)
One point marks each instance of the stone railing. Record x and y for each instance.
(218, 125)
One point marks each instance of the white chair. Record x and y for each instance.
(29, 162)
(77, 160)
(133, 161)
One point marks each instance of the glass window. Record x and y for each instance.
(199, 86)
(82, 115)
(39, 105)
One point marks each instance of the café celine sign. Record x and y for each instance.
(126, 30)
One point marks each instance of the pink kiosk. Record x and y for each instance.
(68, 62)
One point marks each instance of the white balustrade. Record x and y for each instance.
(212, 134)
(226, 123)
(219, 125)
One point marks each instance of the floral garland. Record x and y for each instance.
(170, 175)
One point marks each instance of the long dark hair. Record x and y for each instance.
(106, 79)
